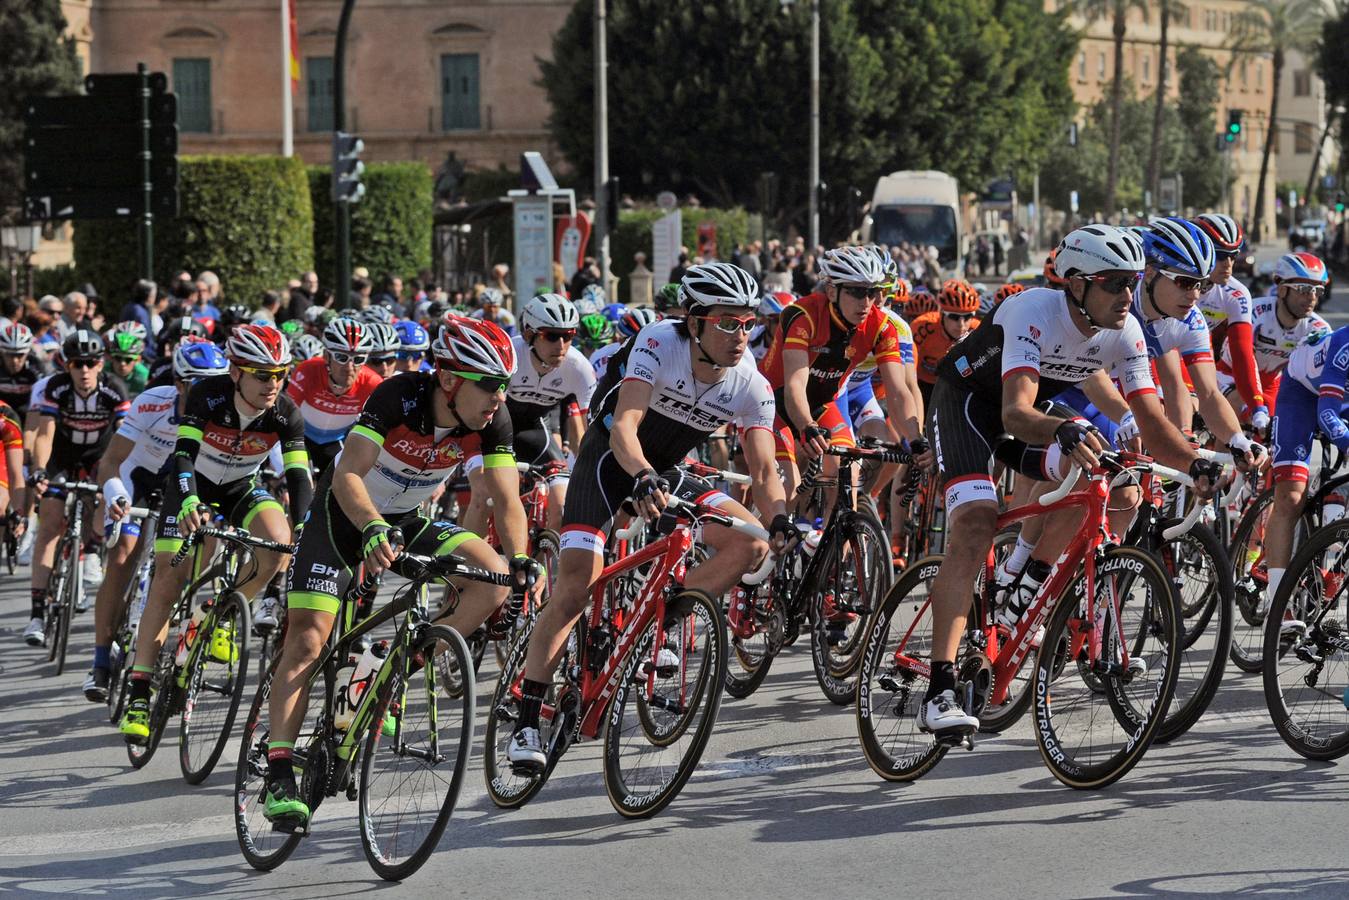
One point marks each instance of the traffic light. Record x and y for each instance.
(1233, 125)
(347, 168)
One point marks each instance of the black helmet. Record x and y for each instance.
(176, 328)
(234, 314)
(83, 343)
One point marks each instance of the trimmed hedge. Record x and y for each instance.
(246, 218)
(390, 228)
(633, 234)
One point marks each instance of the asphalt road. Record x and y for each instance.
(782, 806)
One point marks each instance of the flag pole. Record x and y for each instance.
(287, 102)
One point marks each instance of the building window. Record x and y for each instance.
(1147, 68)
(1210, 20)
(459, 92)
(1082, 66)
(1302, 137)
(1100, 66)
(192, 84)
(1259, 78)
(1244, 80)
(1302, 83)
(318, 72)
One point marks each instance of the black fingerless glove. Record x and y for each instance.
(648, 483)
(783, 525)
(1071, 434)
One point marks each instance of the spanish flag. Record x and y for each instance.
(293, 52)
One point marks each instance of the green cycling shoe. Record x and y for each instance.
(283, 808)
(135, 724)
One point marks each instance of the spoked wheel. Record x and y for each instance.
(659, 720)
(124, 644)
(416, 752)
(754, 631)
(1202, 575)
(1306, 653)
(1247, 556)
(1091, 735)
(548, 553)
(507, 788)
(894, 677)
(850, 585)
(262, 847)
(57, 624)
(214, 686)
(69, 598)
(163, 690)
(1005, 706)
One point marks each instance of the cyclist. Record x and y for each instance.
(936, 332)
(824, 336)
(131, 471)
(554, 376)
(595, 333)
(1227, 309)
(126, 345)
(226, 431)
(174, 330)
(770, 316)
(78, 410)
(413, 432)
(18, 370)
(591, 301)
(670, 387)
(667, 300)
(413, 345)
(490, 310)
(1034, 345)
(1311, 396)
(383, 358)
(304, 346)
(330, 390)
(627, 326)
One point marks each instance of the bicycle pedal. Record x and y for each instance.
(1137, 667)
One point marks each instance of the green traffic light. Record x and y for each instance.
(1339, 207)
(1231, 137)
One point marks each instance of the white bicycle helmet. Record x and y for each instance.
(472, 345)
(852, 265)
(16, 338)
(258, 345)
(305, 346)
(1092, 249)
(720, 284)
(384, 337)
(550, 311)
(196, 357)
(377, 315)
(348, 336)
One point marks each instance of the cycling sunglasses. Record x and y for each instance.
(1187, 283)
(1316, 290)
(265, 376)
(492, 384)
(83, 363)
(555, 336)
(961, 316)
(1116, 284)
(356, 359)
(381, 360)
(729, 324)
(412, 354)
(126, 359)
(863, 293)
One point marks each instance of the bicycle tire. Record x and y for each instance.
(547, 551)
(162, 689)
(214, 687)
(836, 667)
(1138, 714)
(263, 848)
(686, 738)
(507, 788)
(390, 855)
(752, 656)
(1206, 625)
(74, 587)
(11, 549)
(1306, 705)
(907, 753)
(1002, 717)
(56, 591)
(681, 634)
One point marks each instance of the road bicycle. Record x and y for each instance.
(11, 539)
(122, 655)
(65, 586)
(406, 746)
(200, 675)
(1105, 666)
(642, 672)
(832, 587)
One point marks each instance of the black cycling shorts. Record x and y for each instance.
(239, 502)
(321, 456)
(534, 444)
(329, 550)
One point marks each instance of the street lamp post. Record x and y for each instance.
(602, 225)
(341, 211)
(21, 241)
(814, 175)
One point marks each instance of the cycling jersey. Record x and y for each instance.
(931, 343)
(868, 367)
(152, 428)
(759, 341)
(328, 416)
(35, 394)
(532, 394)
(84, 424)
(599, 360)
(1224, 305)
(1274, 344)
(16, 388)
(1311, 395)
(1189, 334)
(11, 438)
(833, 347)
(416, 456)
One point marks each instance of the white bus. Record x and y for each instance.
(922, 208)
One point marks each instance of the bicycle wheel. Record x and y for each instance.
(755, 631)
(851, 581)
(507, 788)
(658, 723)
(1094, 719)
(73, 587)
(163, 689)
(1200, 570)
(1247, 555)
(57, 616)
(1306, 663)
(410, 780)
(1003, 709)
(214, 685)
(263, 847)
(893, 678)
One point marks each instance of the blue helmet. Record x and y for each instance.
(1180, 247)
(769, 306)
(614, 311)
(635, 320)
(412, 336)
(198, 358)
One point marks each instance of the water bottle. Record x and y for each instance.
(811, 542)
(187, 635)
(343, 711)
(370, 660)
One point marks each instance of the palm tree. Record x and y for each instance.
(1166, 9)
(1118, 10)
(1272, 28)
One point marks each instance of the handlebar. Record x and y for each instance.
(702, 470)
(79, 487)
(430, 567)
(231, 535)
(695, 511)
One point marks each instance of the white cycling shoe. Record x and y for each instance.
(34, 635)
(525, 750)
(943, 715)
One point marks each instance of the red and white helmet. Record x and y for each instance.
(472, 345)
(258, 345)
(16, 338)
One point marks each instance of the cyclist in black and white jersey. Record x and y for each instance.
(1036, 344)
(671, 386)
(77, 412)
(18, 370)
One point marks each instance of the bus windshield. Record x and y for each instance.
(919, 224)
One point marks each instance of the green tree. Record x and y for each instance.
(1335, 75)
(390, 228)
(1118, 11)
(37, 60)
(1200, 161)
(1272, 28)
(1166, 9)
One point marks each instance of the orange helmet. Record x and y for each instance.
(958, 296)
(900, 295)
(920, 302)
(1006, 291)
(1051, 276)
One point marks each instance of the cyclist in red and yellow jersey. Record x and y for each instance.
(934, 333)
